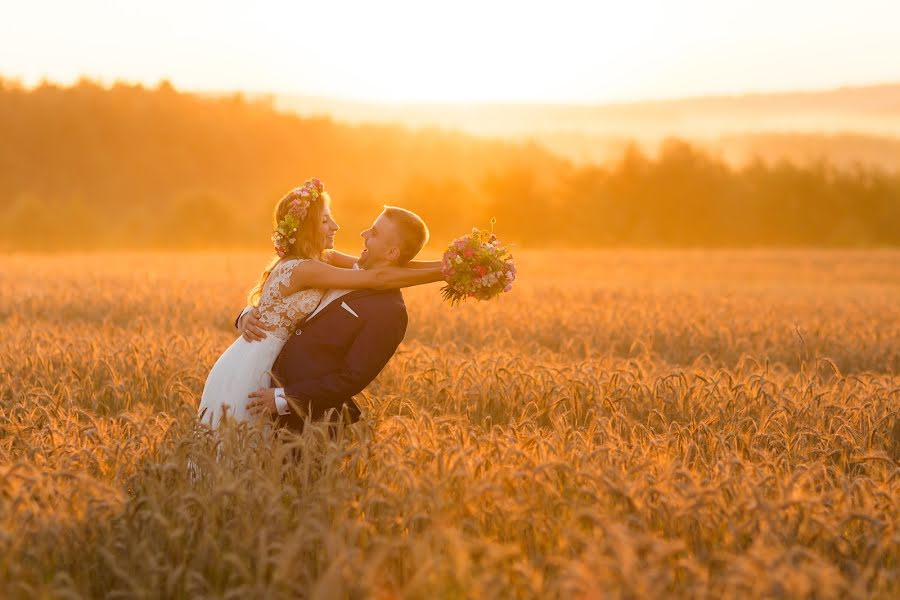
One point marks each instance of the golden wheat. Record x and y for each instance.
(624, 424)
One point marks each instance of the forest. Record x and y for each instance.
(88, 166)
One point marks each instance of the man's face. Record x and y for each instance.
(382, 244)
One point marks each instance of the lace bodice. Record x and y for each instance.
(284, 312)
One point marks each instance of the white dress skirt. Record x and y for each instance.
(242, 369)
(245, 366)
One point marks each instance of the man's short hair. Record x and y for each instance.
(413, 232)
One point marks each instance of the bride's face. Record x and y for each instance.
(328, 228)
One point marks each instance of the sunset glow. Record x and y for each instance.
(462, 51)
(465, 299)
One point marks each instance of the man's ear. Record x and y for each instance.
(393, 254)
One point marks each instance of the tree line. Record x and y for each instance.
(126, 166)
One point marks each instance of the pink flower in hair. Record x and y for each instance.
(298, 208)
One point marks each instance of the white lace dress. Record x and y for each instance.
(245, 366)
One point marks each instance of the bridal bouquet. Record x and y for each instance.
(477, 266)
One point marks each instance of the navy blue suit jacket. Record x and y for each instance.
(334, 355)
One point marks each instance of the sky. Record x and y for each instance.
(557, 51)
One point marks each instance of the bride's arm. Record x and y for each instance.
(346, 261)
(317, 274)
(425, 264)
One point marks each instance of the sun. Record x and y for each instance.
(497, 57)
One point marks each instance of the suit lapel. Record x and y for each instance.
(354, 295)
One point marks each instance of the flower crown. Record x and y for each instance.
(284, 235)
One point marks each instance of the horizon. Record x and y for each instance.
(106, 82)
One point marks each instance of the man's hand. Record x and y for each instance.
(251, 328)
(262, 402)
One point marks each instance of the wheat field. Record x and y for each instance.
(624, 424)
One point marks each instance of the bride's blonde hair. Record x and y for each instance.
(309, 241)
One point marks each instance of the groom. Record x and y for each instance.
(342, 346)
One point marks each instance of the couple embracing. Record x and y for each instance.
(321, 324)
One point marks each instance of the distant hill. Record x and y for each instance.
(587, 133)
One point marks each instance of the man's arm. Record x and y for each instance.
(340, 259)
(249, 325)
(369, 353)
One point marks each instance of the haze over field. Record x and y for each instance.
(846, 125)
(873, 110)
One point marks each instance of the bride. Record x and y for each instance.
(288, 291)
